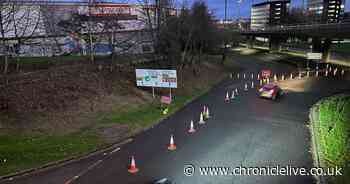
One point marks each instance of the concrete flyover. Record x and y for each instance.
(331, 30)
(321, 35)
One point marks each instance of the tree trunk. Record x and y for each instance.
(17, 64)
(6, 64)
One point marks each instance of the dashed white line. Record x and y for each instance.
(115, 150)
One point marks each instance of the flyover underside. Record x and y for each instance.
(335, 31)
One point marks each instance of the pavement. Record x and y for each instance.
(248, 131)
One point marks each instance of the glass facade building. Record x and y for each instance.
(326, 11)
(269, 13)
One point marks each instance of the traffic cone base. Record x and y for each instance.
(172, 147)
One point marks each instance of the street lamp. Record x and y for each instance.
(239, 13)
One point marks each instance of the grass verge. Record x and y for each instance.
(24, 152)
(333, 135)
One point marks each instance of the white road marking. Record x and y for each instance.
(115, 150)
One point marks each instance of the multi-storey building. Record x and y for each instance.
(326, 11)
(269, 13)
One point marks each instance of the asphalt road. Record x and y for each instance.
(249, 131)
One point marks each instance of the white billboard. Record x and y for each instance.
(314, 55)
(156, 78)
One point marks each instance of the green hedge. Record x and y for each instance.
(334, 134)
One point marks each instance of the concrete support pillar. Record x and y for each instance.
(324, 48)
(316, 44)
(250, 42)
(275, 43)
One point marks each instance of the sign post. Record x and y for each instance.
(156, 78)
(314, 56)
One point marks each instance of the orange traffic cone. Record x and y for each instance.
(172, 145)
(252, 84)
(207, 115)
(233, 94)
(201, 119)
(258, 77)
(236, 90)
(132, 168)
(204, 109)
(227, 98)
(245, 87)
(191, 130)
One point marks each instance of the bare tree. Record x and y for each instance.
(18, 23)
(5, 13)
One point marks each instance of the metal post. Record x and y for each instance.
(153, 92)
(170, 94)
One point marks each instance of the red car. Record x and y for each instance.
(271, 91)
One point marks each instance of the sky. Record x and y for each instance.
(234, 10)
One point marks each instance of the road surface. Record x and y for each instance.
(249, 132)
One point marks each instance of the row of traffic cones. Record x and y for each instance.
(204, 115)
(233, 95)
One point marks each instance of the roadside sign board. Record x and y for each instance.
(156, 78)
(165, 100)
(266, 73)
(314, 55)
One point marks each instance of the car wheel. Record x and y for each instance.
(274, 97)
